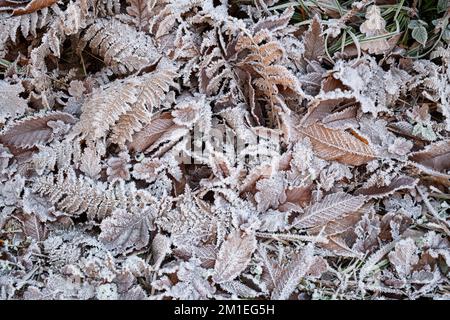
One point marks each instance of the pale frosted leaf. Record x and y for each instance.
(372, 27)
(234, 256)
(273, 220)
(290, 276)
(160, 248)
(107, 291)
(125, 231)
(331, 207)
(90, 163)
(275, 22)
(404, 257)
(270, 193)
(122, 47)
(238, 289)
(11, 103)
(135, 293)
(271, 269)
(36, 205)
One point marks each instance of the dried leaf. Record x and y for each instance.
(400, 183)
(33, 227)
(332, 207)
(126, 231)
(270, 193)
(274, 23)
(314, 41)
(140, 10)
(234, 256)
(343, 224)
(118, 167)
(404, 257)
(434, 159)
(145, 138)
(33, 6)
(33, 131)
(337, 145)
(290, 276)
(11, 103)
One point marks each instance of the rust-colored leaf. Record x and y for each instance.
(434, 159)
(337, 145)
(332, 207)
(400, 183)
(33, 6)
(314, 41)
(152, 132)
(32, 131)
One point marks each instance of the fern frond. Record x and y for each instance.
(125, 102)
(120, 45)
(76, 195)
(151, 92)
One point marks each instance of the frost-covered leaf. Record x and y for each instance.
(275, 22)
(274, 220)
(90, 163)
(337, 145)
(404, 257)
(11, 103)
(36, 205)
(125, 231)
(216, 149)
(234, 256)
(420, 34)
(314, 41)
(160, 248)
(434, 159)
(332, 207)
(33, 6)
(374, 26)
(290, 276)
(399, 183)
(207, 254)
(118, 167)
(33, 131)
(239, 290)
(140, 10)
(270, 193)
(33, 227)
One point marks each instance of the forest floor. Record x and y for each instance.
(224, 149)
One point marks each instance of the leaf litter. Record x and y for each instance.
(162, 149)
